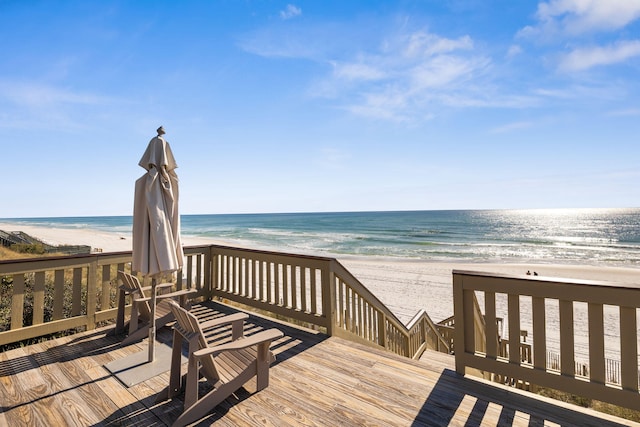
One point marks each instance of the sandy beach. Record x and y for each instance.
(404, 285)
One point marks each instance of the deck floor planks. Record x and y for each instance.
(406, 383)
(403, 393)
(316, 381)
(363, 396)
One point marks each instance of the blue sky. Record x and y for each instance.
(276, 106)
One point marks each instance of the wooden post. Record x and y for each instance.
(327, 282)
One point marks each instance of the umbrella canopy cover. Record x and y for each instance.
(157, 248)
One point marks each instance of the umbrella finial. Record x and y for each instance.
(160, 131)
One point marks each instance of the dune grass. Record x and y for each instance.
(6, 253)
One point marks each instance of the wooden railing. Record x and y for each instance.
(54, 294)
(50, 295)
(318, 291)
(541, 299)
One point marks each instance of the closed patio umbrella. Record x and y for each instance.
(157, 249)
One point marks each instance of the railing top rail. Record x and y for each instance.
(267, 252)
(622, 294)
(23, 265)
(83, 257)
(546, 279)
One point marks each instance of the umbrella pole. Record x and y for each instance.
(152, 325)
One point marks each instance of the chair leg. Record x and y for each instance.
(175, 378)
(262, 366)
(206, 404)
(120, 316)
(191, 386)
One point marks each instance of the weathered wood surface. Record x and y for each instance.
(316, 381)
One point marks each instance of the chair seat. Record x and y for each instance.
(140, 308)
(226, 367)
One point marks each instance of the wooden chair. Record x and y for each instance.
(226, 367)
(141, 309)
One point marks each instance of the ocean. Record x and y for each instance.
(582, 236)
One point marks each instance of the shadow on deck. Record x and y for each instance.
(315, 381)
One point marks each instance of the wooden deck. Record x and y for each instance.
(316, 381)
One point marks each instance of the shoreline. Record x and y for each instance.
(399, 283)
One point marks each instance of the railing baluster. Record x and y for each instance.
(261, 280)
(270, 293)
(539, 333)
(77, 292)
(567, 346)
(58, 294)
(491, 325)
(285, 282)
(514, 328)
(295, 287)
(629, 348)
(314, 290)
(105, 292)
(596, 343)
(198, 284)
(92, 297)
(38, 298)
(304, 306)
(251, 293)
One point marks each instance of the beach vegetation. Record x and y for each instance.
(29, 248)
(7, 253)
(24, 251)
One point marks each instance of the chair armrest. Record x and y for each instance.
(127, 290)
(159, 286)
(169, 295)
(259, 338)
(176, 293)
(225, 320)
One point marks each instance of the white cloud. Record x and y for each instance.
(387, 104)
(403, 78)
(585, 58)
(442, 71)
(40, 95)
(514, 50)
(290, 11)
(357, 71)
(575, 17)
(422, 44)
(579, 16)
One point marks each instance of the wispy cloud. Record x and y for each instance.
(291, 11)
(585, 58)
(404, 77)
(38, 105)
(630, 112)
(567, 23)
(575, 17)
(510, 127)
(514, 50)
(42, 95)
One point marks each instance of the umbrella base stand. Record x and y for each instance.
(136, 368)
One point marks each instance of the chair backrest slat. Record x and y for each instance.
(190, 329)
(134, 286)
